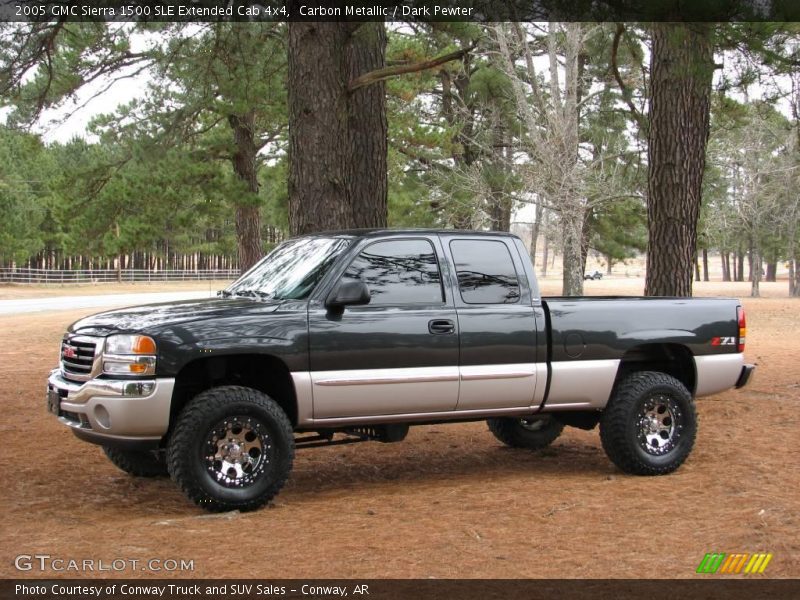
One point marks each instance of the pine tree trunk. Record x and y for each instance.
(572, 227)
(318, 128)
(794, 285)
(772, 271)
(535, 230)
(337, 139)
(248, 215)
(367, 184)
(681, 68)
(545, 252)
(739, 265)
(755, 272)
(705, 264)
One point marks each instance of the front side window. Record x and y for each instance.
(485, 270)
(398, 272)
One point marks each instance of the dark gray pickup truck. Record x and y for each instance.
(355, 335)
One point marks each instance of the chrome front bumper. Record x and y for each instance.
(112, 412)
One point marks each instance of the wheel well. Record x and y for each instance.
(258, 371)
(673, 359)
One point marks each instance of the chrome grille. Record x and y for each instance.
(78, 357)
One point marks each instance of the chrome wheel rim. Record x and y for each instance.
(237, 451)
(659, 425)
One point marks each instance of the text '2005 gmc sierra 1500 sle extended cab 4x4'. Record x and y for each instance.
(355, 335)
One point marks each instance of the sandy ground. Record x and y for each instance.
(449, 502)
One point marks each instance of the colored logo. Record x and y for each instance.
(719, 562)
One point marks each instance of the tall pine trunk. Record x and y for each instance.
(337, 139)
(772, 271)
(681, 68)
(725, 257)
(318, 129)
(248, 214)
(536, 229)
(367, 184)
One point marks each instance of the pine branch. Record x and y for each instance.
(626, 93)
(382, 74)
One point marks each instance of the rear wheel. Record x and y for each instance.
(232, 449)
(649, 425)
(138, 463)
(533, 433)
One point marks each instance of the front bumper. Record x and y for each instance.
(120, 413)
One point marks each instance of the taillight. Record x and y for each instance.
(742, 327)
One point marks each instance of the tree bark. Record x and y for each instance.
(740, 265)
(572, 230)
(318, 128)
(248, 214)
(705, 264)
(337, 139)
(367, 185)
(573, 206)
(755, 272)
(794, 284)
(546, 249)
(725, 257)
(681, 67)
(535, 230)
(772, 271)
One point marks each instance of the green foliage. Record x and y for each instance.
(25, 198)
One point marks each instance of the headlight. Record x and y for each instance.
(129, 355)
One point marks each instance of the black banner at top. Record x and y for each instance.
(399, 10)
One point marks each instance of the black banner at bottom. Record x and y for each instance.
(380, 589)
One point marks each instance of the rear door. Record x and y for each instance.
(498, 352)
(399, 353)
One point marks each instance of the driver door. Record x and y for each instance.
(399, 353)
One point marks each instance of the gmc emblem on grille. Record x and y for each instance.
(70, 352)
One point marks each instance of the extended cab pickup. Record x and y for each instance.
(355, 335)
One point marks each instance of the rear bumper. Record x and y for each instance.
(120, 413)
(744, 376)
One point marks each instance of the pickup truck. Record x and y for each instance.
(356, 335)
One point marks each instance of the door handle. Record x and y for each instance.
(441, 326)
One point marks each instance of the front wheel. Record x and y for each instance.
(533, 433)
(649, 425)
(232, 449)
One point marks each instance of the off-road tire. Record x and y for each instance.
(622, 423)
(138, 463)
(514, 433)
(187, 448)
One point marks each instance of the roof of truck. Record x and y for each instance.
(370, 232)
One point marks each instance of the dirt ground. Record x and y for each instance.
(449, 502)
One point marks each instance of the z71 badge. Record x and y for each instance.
(723, 341)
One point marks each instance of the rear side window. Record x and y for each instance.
(399, 272)
(485, 270)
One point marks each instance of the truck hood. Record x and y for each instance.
(149, 318)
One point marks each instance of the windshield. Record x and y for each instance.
(291, 271)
